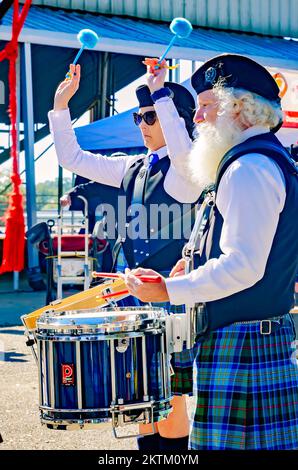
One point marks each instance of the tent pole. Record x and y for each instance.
(94, 110)
(27, 101)
(171, 74)
(104, 84)
(60, 186)
(18, 76)
(177, 71)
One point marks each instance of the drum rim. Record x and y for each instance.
(54, 321)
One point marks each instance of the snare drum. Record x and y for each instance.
(103, 366)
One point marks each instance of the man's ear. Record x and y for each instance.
(238, 105)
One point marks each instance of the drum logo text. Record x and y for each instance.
(67, 374)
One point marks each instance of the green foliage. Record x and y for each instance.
(47, 193)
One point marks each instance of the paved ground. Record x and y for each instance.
(20, 426)
(13, 304)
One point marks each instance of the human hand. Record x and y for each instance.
(156, 77)
(67, 88)
(65, 200)
(179, 268)
(145, 291)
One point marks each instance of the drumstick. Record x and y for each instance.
(149, 278)
(114, 294)
(155, 279)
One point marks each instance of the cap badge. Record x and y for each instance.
(210, 75)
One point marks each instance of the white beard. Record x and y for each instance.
(213, 141)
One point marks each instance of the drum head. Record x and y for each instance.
(108, 320)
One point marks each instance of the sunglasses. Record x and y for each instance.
(149, 118)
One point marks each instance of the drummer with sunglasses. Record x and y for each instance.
(166, 111)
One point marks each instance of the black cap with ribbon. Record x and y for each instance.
(237, 71)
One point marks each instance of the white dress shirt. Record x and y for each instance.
(250, 198)
(173, 126)
(111, 171)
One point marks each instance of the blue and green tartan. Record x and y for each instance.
(246, 389)
(182, 379)
(181, 363)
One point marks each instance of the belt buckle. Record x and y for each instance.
(267, 330)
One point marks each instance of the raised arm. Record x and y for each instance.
(177, 139)
(173, 126)
(105, 170)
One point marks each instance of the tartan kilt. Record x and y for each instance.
(182, 363)
(182, 378)
(246, 387)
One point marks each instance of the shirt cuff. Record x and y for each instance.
(164, 98)
(166, 103)
(178, 289)
(60, 120)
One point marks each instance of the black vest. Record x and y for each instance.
(161, 246)
(274, 294)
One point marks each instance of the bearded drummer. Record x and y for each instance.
(155, 178)
(246, 371)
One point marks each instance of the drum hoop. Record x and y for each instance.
(164, 401)
(54, 321)
(70, 410)
(73, 336)
(73, 422)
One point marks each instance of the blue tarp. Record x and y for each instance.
(112, 134)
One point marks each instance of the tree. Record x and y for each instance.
(47, 193)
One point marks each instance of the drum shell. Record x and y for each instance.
(86, 395)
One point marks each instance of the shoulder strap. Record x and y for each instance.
(163, 242)
(278, 153)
